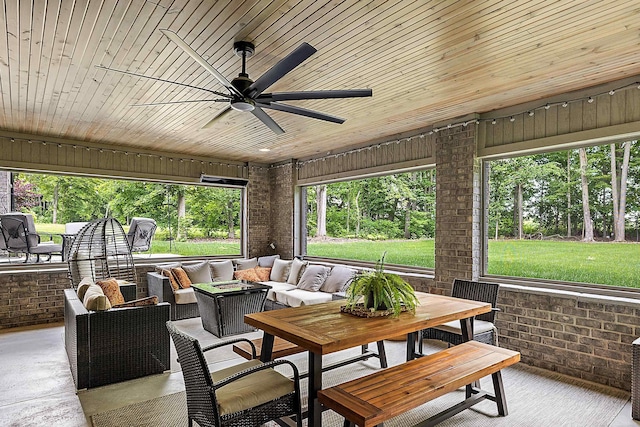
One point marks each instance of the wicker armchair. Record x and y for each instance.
(484, 329)
(248, 394)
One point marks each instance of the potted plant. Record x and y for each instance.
(381, 291)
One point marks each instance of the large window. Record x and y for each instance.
(192, 220)
(362, 219)
(568, 215)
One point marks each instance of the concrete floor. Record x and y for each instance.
(36, 387)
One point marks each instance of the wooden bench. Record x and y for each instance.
(373, 399)
(281, 348)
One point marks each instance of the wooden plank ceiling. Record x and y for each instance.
(426, 61)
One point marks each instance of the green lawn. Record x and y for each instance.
(616, 264)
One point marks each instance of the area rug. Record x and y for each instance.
(534, 398)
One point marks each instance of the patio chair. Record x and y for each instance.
(247, 394)
(19, 236)
(484, 329)
(140, 234)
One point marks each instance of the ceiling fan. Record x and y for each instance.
(246, 95)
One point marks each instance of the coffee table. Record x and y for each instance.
(222, 305)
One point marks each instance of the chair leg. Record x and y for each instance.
(190, 422)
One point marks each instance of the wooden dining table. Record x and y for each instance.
(323, 328)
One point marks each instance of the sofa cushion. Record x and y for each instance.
(298, 297)
(82, 287)
(280, 270)
(182, 277)
(185, 296)
(313, 277)
(267, 261)
(167, 266)
(244, 264)
(221, 271)
(297, 268)
(95, 299)
(249, 274)
(263, 273)
(338, 279)
(172, 280)
(199, 273)
(277, 286)
(111, 289)
(152, 300)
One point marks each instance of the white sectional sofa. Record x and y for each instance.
(293, 282)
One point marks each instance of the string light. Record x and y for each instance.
(590, 100)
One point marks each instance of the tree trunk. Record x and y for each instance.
(620, 192)
(615, 185)
(182, 212)
(54, 219)
(358, 214)
(569, 193)
(321, 207)
(520, 210)
(230, 220)
(497, 226)
(588, 224)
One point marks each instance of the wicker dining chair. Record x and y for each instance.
(244, 395)
(484, 329)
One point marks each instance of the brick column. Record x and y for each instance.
(281, 179)
(258, 211)
(5, 192)
(458, 209)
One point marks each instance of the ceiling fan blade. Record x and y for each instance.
(314, 94)
(200, 60)
(217, 117)
(303, 112)
(178, 102)
(267, 120)
(282, 67)
(102, 67)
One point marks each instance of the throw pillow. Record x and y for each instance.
(182, 277)
(338, 280)
(172, 280)
(82, 287)
(198, 273)
(152, 300)
(297, 268)
(280, 270)
(111, 289)
(247, 275)
(245, 264)
(263, 273)
(221, 271)
(267, 261)
(95, 299)
(313, 277)
(167, 266)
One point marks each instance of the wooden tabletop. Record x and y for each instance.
(323, 329)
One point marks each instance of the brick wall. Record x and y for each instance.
(282, 208)
(457, 243)
(5, 192)
(579, 335)
(258, 211)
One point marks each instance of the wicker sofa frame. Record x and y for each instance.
(159, 285)
(115, 345)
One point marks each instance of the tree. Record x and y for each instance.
(619, 190)
(588, 224)
(321, 201)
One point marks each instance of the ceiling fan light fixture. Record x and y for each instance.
(243, 105)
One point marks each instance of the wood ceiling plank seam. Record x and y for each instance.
(186, 69)
(408, 56)
(25, 17)
(95, 26)
(5, 71)
(36, 60)
(12, 58)
(47, 70)
(86, 99)
(70, 42)
(410, 53)
(133, 36)
(107, 109)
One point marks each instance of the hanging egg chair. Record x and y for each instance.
(100, 250)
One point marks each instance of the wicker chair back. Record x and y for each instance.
(478, 291)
